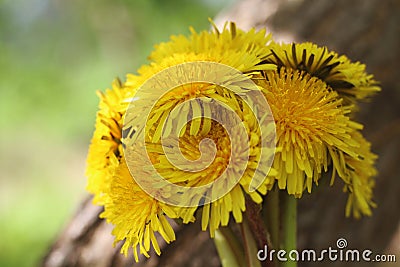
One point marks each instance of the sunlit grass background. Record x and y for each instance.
(54, 55)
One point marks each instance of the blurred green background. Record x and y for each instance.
(54, 55)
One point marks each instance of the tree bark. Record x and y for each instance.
(364, 30)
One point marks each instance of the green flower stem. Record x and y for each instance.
(234, 243)
(271, 216)
(289, 226)
(250, 245)
(229, 248)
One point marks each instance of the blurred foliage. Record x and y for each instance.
(54, 55)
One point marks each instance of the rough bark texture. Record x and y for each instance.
(365, 30)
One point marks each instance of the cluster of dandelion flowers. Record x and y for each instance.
(311, 93)
(109, 179)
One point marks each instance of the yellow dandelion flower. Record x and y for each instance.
(106, 141)
(360, 182)
(136, 216)
(314, 132)
(244, 51)
(216, 213)
(194, 169)
(349, 79)
(241, 50)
